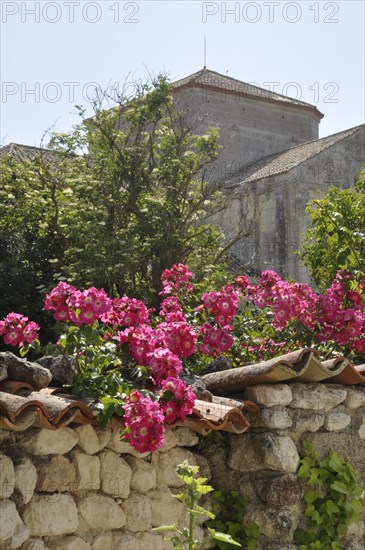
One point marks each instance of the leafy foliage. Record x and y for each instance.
(230, 510)
(195, 488)
(333, 500)
(336, 239)
(113, 203)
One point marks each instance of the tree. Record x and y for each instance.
(126, 197)
(336, 239)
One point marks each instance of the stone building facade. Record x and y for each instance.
(272, 162)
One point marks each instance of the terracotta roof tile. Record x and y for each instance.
(298, 366)
(22, 406)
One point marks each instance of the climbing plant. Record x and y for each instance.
(333, 500)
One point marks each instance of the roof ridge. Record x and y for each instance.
(190, 79)
(262, 163)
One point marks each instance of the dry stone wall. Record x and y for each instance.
(82, 488)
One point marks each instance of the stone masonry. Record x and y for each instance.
(81, 488)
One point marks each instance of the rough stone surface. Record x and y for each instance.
(185, 437)
(87, 471)
(102, 513)
(280, 490)
(104, 435)
(115, 474)
(269, 395)
(48, 442)
(51, 515)
(34, 544)
(61, 367)
(307, 421)
(7, 476)
(361, 430)
(25, 371)
(316, 396)
(165, 508)
(275, 523)
(58, 474)
(166, 466)
(137, 509)
(263, 451)
(336, 421)
(275, 419)
(355, 398)
(88, 440)
(143, 474)
(25, 479)
(70, 543)
(103, 542)
(122, 447)
(13, 532)
(344, 444)
(141, 541)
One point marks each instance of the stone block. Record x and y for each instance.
(103, 542)
(115, 474)
(51, 515)
(275, 419)
(344, 444)
(104, 435)
(280, 490)
(307, 421)
(34, 544)
(25, 479)
(56, 475)
(88, 440)
(185, 437)
(140, 541)
(48, 442)
(121, 446)
(275, 523)
(166, 464)
(143, 474)
(137, 509)
(70, 543)
(165, 508)
(269, 395)
(355, 398)
(101, 513)
(316, 396)
(361, 430)
(7, 477)
(13, 532)
(336, 421)
(263, 451)
(87, 471)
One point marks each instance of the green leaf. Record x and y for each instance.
(224, 537)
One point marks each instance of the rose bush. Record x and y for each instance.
(130, 358)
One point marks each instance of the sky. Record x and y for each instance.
(54, 53)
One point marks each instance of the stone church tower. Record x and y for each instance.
(272, 162)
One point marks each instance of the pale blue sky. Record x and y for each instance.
(55, 49)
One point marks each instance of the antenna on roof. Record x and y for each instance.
(205, 52)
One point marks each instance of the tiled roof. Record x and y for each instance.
(298, 366)
(205, 78)
(23, 406)
(27, 152)
(280, 163)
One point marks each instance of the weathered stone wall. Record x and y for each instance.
(249, 129)
(82, 488)
(274, 207)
